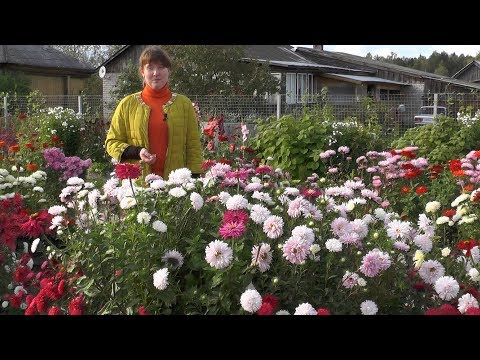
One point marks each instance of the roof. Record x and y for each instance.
(328, 62)
(363, 79)
(41, 56)
(466, 67)
(115, 55)
(338, 58)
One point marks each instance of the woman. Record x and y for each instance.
(154, 125)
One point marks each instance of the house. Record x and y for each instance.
(305, 71)
(345, 74)
(470, 72)
(51, 72)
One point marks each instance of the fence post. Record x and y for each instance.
(279, 103)
(435, 104)
(80, 104)
(5, 113)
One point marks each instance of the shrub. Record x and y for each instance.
(296, 145)
(443, 140)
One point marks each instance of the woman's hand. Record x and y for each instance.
(147, 157)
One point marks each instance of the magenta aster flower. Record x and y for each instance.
(239, 216)
(232, 230)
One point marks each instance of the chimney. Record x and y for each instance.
(318, 47)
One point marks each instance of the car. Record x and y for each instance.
(426, 115)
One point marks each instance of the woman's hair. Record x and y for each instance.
(154, 53)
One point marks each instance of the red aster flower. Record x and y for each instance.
(128, 171)
(467, 245)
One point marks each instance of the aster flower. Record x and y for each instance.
(305, 309)
(173, 258)
(368, 307)
(262, 256)
(446, 287)
(128, 171)
(251, 300)
(160, 279)
(232, 230)
(218, 254)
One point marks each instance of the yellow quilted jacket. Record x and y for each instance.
(129, 126)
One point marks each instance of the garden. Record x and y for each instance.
(311, 215)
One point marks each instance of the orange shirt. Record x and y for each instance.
(157, 125)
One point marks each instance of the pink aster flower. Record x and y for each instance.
(239, 216)
(232, 230)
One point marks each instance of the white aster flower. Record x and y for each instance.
(465, 302)
(236, 202)
(160, 279)
(442, 220)
(460, 199)
(251, 300)
(282, 312)
(431, 271)
(174, 258)
(144, 217)
(474, 275)
(177, 192)
(361, 282)
(158, 184)
(196, 200)
(446, 287)
(224, 196)
(34, 245)
(57, 210)
(127, 202)
(262, 256)
(333, 245)
(432, 206)
(368, 307)
(159, 226)
(218, 254)
(305, 309)
(18, 289)
(446, 251)
(259, 213)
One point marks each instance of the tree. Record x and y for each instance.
(217, 69)
(14, 82)
(90, 54)
(128, 82)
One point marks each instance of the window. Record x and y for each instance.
(388, 94)
(299, 87)
(272, 98)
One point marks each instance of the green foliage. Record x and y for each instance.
(217, 70)
(14, 82)
(90, 54)
(93, 86)
(443, 140)
(61, 125)
(296, 144)
(437, 63)
(129, 81)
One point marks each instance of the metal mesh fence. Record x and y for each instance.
(88, 105)
(393, 112)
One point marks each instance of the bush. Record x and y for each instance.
(297, 145)
(443, 140)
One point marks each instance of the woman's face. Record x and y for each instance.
(155, 75)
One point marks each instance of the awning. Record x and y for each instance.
(359, 79)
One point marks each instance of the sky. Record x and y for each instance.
(402, 50)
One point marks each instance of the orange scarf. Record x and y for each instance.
(157, 125)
